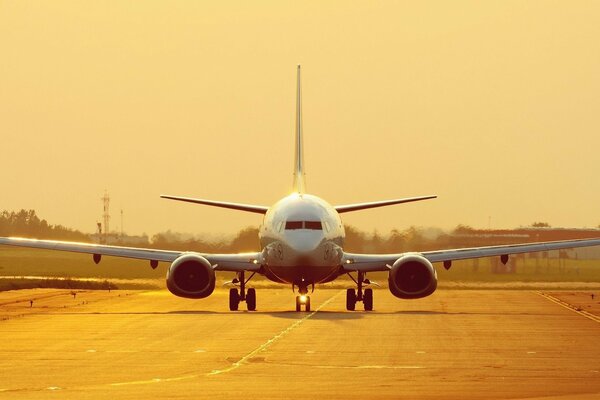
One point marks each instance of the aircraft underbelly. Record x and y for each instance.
(302, 273)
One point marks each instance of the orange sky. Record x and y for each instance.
(494, 106)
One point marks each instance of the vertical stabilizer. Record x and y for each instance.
(299, 185)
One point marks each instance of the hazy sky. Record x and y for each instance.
(493, 106)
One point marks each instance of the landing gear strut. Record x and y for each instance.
(353, 296)
(235, 296)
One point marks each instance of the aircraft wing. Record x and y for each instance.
(220, 262)
(382, 262)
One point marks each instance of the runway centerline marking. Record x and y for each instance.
(268, 343)
(242, 361)
(569, 306)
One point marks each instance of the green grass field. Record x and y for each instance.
(32, 262)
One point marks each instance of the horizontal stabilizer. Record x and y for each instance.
(223, 204)
(373, 204)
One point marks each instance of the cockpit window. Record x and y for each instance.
(293, 225)
(313, 225)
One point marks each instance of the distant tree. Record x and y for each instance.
(414, 238)
(246, 240)
(396, 242)
(355, 240)
(540, 225)
(463, 229)
(25, 223)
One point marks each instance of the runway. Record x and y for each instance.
(455, 344)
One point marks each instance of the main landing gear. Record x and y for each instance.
(354, 295)
(235, 296)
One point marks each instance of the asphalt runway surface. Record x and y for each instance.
(455, 344)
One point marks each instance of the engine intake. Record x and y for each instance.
(412, 276)
(191, 276)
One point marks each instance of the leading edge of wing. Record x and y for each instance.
(220, 262)
(381, 262)
(222, 204)
(363, 206)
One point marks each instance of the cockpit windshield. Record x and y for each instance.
(313, 225)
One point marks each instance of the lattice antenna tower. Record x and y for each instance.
(106, 215)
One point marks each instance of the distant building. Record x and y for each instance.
(117, 239)
(488, 237)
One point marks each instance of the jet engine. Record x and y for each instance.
(412, 276)
(191, 276)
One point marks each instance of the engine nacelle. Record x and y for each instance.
(191, 276)
(412, 276)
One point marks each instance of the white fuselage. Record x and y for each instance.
(302, 238)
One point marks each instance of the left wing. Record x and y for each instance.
(220, 262)
(382, 262)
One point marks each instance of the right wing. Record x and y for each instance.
(220, 262)
(382, 262)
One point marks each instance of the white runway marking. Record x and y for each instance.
(569, 307)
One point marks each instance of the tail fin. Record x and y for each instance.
(299, 185)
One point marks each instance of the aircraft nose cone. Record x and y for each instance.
(304, 243)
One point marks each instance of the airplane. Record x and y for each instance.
(302, 240)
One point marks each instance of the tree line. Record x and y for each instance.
(25, 223)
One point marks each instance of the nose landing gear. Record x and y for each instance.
(303, 299)
(353, 296)
(235, 296)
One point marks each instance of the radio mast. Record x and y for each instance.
(106, 215)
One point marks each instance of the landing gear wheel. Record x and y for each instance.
(350, 299)
(298, 304)
(234, 299)
(368, 299)
(251, 299)
(307, 305)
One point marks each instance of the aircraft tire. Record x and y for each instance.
(307, 306)
(368, 299)
(298, 305)
(234, 299)
(251, 299)
(350, 299)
